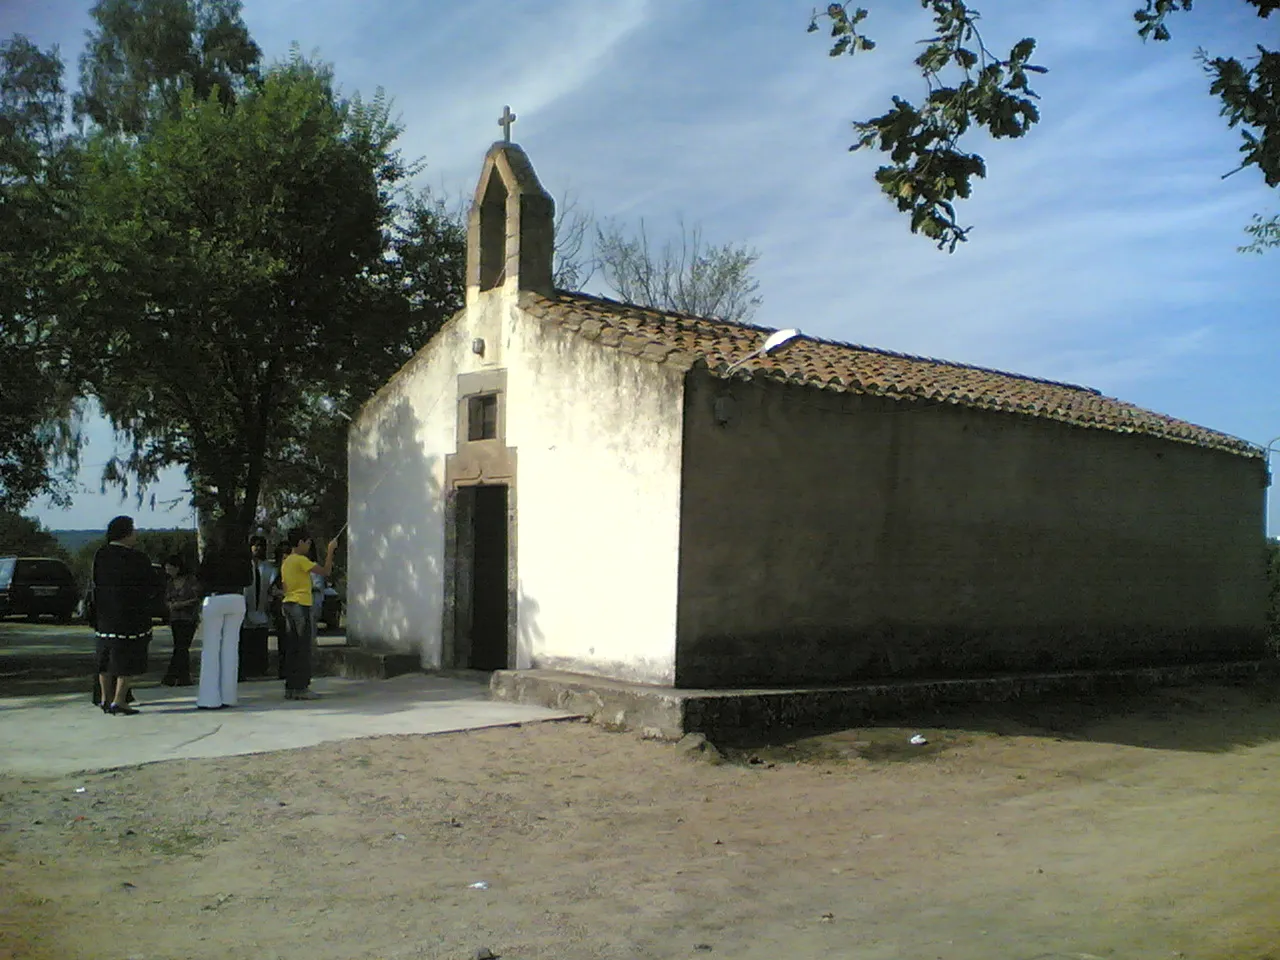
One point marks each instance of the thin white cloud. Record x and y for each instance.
(1145, 356)
(450, 68)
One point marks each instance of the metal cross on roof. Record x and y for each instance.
(505, 121)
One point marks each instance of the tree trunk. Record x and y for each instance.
(258, 431)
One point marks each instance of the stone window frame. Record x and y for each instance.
(472, 386)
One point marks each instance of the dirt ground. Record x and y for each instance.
(1146, 829)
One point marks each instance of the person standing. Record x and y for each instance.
(318, 584)
(224, 573)
(122, 591)
(183, 598)
(295, 574)
(257, 612)
(277, 605)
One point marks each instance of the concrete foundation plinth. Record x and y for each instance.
(656, 711)
(670, 713)
(357, 663)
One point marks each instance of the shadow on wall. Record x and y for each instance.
(396, 581)
(529, 636)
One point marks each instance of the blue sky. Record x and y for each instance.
(1104, 244)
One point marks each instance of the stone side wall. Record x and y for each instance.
(828, 537)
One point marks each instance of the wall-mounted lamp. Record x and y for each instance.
(477, 346)
(724, 409)
(775, 340)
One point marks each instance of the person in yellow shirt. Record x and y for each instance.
(295, 577)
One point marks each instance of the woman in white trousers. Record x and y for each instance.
(226, 570)
(220, 620)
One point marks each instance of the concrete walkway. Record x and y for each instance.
(57, 734)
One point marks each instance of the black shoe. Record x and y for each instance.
(118, 711)
(106, 707)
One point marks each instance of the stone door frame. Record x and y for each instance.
(477, 463)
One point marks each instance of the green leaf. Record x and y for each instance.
(1022, 49)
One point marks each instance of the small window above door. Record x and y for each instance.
(482, 417)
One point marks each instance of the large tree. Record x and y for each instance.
(687, 274)
(143, 56)
(574, 263)
(37, 205)
(251, 257)
(239, 259)
(970, 87)
(24, 537)
(420, 284)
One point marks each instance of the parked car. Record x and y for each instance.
(37, 586)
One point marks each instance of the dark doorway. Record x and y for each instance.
(489, 594)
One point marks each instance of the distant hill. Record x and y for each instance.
(73, 540)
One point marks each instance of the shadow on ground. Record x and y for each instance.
(45, 657)
(1202, 718)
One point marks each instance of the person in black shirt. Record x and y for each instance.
(183, 597)
(224, 573)
(257, 612)
(122, 585)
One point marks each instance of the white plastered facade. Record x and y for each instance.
(595, 436)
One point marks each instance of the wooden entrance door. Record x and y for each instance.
(489, 590)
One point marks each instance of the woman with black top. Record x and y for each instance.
(122, 585)
(182, 596)
(224, 573)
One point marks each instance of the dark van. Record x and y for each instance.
(37, 585)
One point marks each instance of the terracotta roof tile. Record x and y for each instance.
(686, 340)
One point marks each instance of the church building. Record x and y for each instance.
(571, 483)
